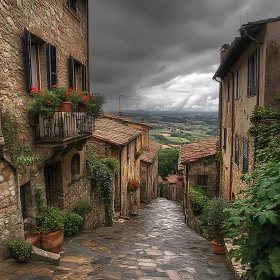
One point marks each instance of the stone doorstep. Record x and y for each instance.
(41, 255)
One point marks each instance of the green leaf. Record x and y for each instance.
(276, 268)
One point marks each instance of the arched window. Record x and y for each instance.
(75, 165)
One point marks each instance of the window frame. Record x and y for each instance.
(75, 165)
(203, 179)
(237, 93)
(37, 64)
(252, 79)
(245, 165)
(70, 6)
(228, 91)
(225, 139)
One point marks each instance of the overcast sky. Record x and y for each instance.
(162, 54)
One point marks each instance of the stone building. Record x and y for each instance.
(42, 43)
(113, 139)
(200, 165)
(174, 187)
(149, 172)
(248, 77)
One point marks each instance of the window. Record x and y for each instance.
(252, 75)
(202, 180)
(34, 47)
(225, 139)
(72, 5)
(23, 191)
(77, 74)
(245, 155)
(75, 165)
(127, 152)
(228, 91)
(237, 84)
(236, 151)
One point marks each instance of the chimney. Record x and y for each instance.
(224, 51)
(120, 113)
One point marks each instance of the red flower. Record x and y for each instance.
(42, 93)
(74, 88)
(55, 85)
(91, 96)
(81, 94)
(49, 101)
(85, 98)
(70, 89)
(35, 89)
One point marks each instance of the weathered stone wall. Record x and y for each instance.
(207, 167)
(11, 224)
(52, 22)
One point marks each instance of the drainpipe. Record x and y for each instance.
(220, 111)
(120, 186)
(232, 138)
(87, 12)
(258, 68)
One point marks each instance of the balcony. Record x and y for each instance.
(63, 128)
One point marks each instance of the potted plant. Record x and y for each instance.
(216, 217)
(45, 103)
(64, 96)
(133, 186)
(50, 223)
(20, 250)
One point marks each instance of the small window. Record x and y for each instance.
(75, 165)
(72, 5)
(35, 65)
(237, 84)
(228, 91)
(23, 193)
(127, 152)
(252, 75)
(77, 74)
(225, 139)
(236, 151)
(202, 180)
(245, 156)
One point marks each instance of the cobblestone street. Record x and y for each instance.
(156, 244)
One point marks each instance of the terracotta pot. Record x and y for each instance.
(52, 242)
(65, 106)
(82, 107)
(219, 249)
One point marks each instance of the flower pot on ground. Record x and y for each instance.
(20, 250)
(216, 217)
(50, 222)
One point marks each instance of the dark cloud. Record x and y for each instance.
(139, 47)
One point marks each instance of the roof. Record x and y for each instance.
(197, 150)
(124, 119)
(150, 153)
(114, 132)
(172, 179)
(239, 45)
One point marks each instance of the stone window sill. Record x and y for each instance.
(70, 12)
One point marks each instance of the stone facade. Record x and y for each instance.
(46, 22)
(236, 105)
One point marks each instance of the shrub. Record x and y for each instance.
(20, 249)
(198, 200)
(49, 219)
(72, 223)
(82, 208)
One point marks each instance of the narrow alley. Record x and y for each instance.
(156, 244)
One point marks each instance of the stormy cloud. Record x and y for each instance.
(161, 54)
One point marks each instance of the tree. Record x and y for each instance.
(168, 161)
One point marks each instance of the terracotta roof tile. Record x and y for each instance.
(173, 179)
(194, 151)
(114, 132)
(124, 119)
(151, 152)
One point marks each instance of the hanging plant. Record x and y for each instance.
(101, 173)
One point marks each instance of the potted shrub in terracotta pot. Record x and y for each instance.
(216, 217)
(20, 250)
(50, 223)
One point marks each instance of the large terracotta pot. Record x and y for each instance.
(34, 238)
(52, 242)
(65, 106)
(219, 249)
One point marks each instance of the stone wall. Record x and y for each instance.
(206, 167)
(48, 21)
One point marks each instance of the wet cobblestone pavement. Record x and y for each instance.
(156, 244)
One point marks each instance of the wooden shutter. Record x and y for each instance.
(84, 77)
(27, 59)
(245, 156)
(51, 66)
(71, 72)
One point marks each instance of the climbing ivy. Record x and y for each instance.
(101, 173)
(254, 222)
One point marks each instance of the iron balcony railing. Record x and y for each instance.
(63, 126)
